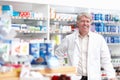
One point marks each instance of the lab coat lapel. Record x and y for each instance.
(89, 57)
(76, 51)
(77, 43)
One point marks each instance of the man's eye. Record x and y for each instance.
(82, 21)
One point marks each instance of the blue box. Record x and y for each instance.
(43, 50)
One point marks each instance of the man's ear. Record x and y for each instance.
(76, 23)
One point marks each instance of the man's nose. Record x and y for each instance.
(85, 23)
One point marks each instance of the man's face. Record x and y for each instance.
(84, 25)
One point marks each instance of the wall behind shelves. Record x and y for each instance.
(100, 4)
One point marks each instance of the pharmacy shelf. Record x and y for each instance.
(114, 57)
(113, 44)
(28, 18)
(110, 33)
(36, 20)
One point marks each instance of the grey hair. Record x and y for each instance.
(86, 14)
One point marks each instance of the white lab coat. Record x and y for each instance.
(98, 54)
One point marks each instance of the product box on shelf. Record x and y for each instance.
(7, 9)
(40, 52)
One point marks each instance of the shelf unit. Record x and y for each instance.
(107, 23)
(41, 9)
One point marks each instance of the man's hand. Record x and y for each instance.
(39, 60)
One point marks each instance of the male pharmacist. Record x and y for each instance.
(87, 51)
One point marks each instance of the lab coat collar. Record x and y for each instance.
(78, 35)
